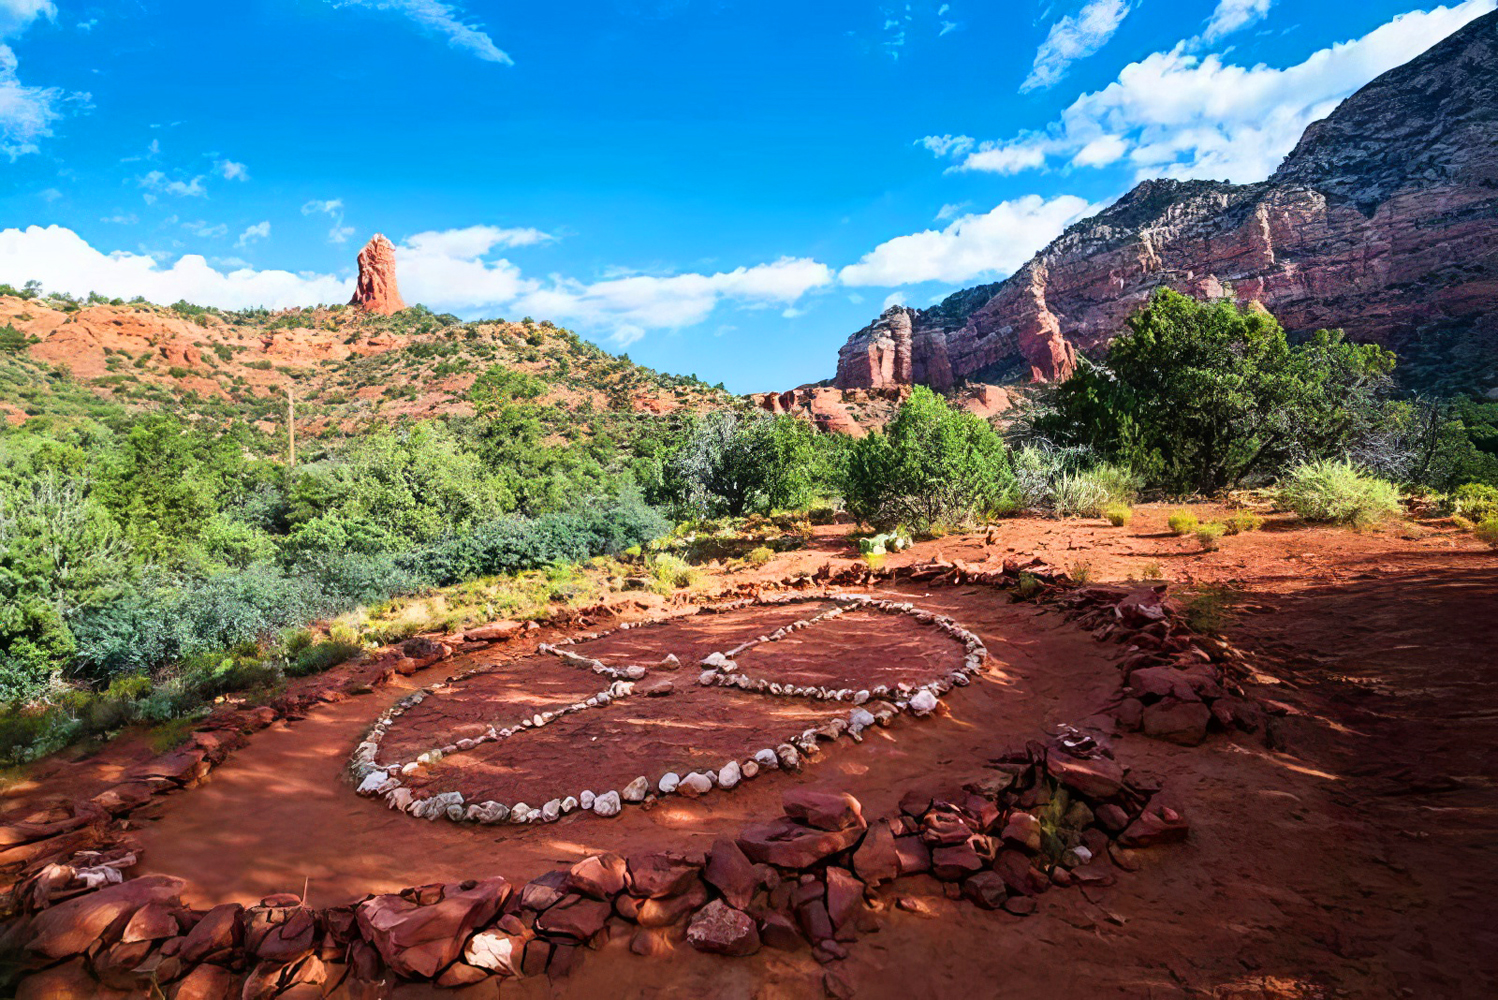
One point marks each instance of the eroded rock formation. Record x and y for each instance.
(1383, 221)
(376, 290)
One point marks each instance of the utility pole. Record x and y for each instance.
(290, 431)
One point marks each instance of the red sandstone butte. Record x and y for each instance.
(376, 290)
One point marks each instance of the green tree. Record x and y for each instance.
(1203, 396)
(931, 467)
(737, 463)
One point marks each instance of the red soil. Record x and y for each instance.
(1348, 854)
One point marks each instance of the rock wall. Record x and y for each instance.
(1383, 221)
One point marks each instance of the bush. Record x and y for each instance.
(760, 556)
(1118, 514)
(1210, 535)
(1087, 493)
(932, 467)
(671, 573)
(1182, 522)
(1337, 493)
(1243, 521)
(317, 658)
(1475, 501)
(1487, 532)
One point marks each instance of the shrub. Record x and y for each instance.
(1243, 521)
(1210, 535)
(1118, 514)
(670, 573)
(1182, 522)
(1337, 493)
(1475, 501)
(1487, 532)
(933, 466)
(317, 658)
(760, 556)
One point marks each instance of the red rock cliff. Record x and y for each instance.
(376, 290)
(1383, 221)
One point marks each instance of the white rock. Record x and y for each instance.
(636, 790)
(708, 678)
(860, 718)
(400, 799)
(495, 951)
(695, 784)
(520, 812)
(372, 783)
(767, 758)
(730, 775)
(924, 702)
(585, 800)
(607, 804)
(669, 782)
(750, 769)
(568, 804)
(788, 758)
(551, 810)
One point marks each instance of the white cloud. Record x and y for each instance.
(443, 19)
(893, 299)
(121, 219)
(1074, 37)
(17, 15)
(156, 182)
(203, 229)
(1234, 15)
(952, 211)
(973, 246)
(1182, 115)
(232, 171)
(474, 241)
(62, 261)
(259, 231)
(333, 208)
(947, 145)
(49, 194)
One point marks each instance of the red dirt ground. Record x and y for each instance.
(1349, 854)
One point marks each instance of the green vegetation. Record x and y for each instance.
(1339, 493)
(1118, 514)
(933, 467)
(1182, 522)
(1209, 535)
(1487, 532)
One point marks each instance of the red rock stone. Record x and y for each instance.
(943, 829)
(72, 926)
(151, 922)
(835, 811)
(787, 844)
(544, 890)
(537, 957)
(776, 930)
(1021, 878)
(457, 974)
(215, 936)
(577, 917)
(953, 864)
(279, 934)
(985, 889)
(1112, 817)
(599, 877)
(815, 921)
(844, 896)
(1183, 722)
(731, 872)
(1020, 906)
(1156, 825)
(875, 860)
(417, 941)
(723, 930)
(495, 632)
(659, 875)
(376, 290)
(670, 909)
(207, 982)
(1023, 829)
(913, 856)
(650, 942)
(1098, 778)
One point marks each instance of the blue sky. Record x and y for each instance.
(723, 187)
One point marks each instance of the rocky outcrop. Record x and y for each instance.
(376, 290)
(1383, 221)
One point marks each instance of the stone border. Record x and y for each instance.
(373, 779)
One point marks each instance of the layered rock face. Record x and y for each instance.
(376, 290)
(1383, 221)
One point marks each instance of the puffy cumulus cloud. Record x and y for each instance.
(1234, 15)
(231, 171)
(443, 19)
(655, 302)
(991, 244)
(259, 231)
(27, 113)
(1074, 37)
(947, 145)
(63, 261)
(474, 241)
(1181, 115)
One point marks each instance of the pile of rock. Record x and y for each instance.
(1175, 684)
(1046, 819)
